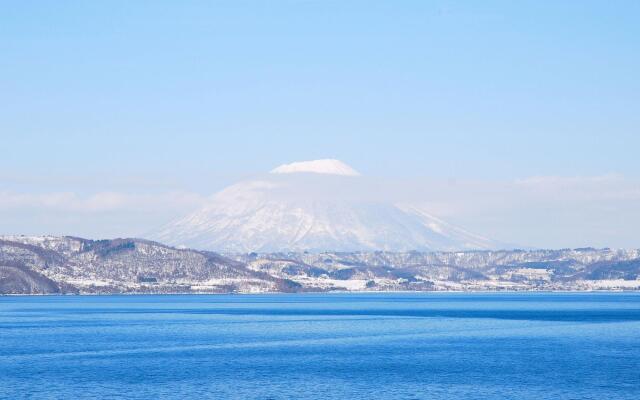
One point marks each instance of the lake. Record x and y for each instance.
(322, 346)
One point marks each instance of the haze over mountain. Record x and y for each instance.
(312, 206)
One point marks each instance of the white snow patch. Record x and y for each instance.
(610, 284)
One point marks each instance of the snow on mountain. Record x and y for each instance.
(287, 211)
(49, 264)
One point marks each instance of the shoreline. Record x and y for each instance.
(461, 292)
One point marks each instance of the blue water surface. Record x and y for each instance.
(322, 346)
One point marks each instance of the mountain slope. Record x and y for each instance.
(31, 264)
(308, 206)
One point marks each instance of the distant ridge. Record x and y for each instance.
(50, 264)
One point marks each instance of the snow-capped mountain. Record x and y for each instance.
(310, 206)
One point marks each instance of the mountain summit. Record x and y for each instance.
(327, 166)
(312, 206)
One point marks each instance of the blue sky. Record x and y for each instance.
(164, 96)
